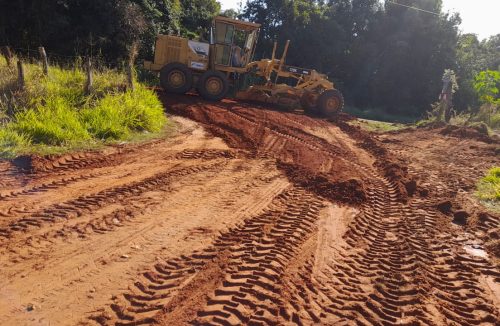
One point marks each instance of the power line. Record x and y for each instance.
(415, 8)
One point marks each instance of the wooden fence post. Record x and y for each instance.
(20, 75)
(133, 50)
(7, 53)
(45, 61)
(10, 105)
(130, 76)
(89, 82)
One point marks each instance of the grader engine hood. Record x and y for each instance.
(170, 48)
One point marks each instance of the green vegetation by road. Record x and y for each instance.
(53, 113)
(488, 189)
(378, 126)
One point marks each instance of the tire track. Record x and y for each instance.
(404, 275)
(127, 213)
(76, 207)
(258, 253)
(47, 186)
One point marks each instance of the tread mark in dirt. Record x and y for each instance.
(49, 186)
(394, 263)
(406, 266)
(75, 207)
(44, 242)
(259, 252)
(206, 154)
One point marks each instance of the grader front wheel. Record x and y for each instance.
(330, 102)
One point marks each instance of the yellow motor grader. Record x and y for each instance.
(210, 67)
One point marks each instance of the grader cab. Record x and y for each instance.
(211, 67)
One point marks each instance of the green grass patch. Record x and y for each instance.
(488, 189)
(378, 126)
(379, 115)
(54, 115)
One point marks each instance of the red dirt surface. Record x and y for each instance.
(250, 216)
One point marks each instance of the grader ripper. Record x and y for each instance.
(209, 67)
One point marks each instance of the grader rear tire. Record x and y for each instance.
(330, 103)
(176, 77)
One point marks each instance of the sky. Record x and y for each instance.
(480, 17)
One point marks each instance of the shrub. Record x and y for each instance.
(489, 186)
(54, 123)
(116, 115)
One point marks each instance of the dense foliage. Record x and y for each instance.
(381, 55)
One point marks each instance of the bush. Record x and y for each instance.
(54, 123)
(489, 186)
(116, 115)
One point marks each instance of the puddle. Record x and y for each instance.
(476, 250)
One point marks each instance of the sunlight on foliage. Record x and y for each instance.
(488, 188)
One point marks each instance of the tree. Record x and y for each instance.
(474, 56)
(197, 16)
(487, 86)
(72, 27)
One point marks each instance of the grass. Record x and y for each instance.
(488, 189)
(378, 126)
(53, 114)
(379, 115)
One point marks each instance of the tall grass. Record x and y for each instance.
(54, 110)
(116, 116)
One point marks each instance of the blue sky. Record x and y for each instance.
(478, 16)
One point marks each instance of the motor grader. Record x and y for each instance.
(211, 67)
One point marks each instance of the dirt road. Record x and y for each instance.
(245, 216)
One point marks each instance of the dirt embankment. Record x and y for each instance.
(387, 163)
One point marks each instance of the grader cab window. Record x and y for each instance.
(223, 40)
(232, 44)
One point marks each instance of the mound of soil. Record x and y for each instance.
(467, 132)
(389, 166)
(350, 191)
(308, 160)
